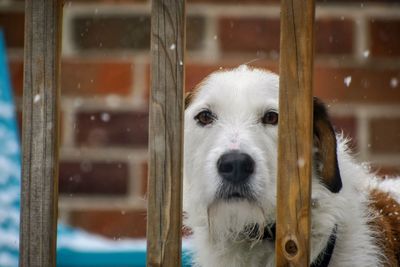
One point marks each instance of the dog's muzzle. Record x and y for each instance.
(235, 169)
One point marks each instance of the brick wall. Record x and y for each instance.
(105, 83)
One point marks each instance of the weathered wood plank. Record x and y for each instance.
(166, 133)
(40, 133)
(295, 133)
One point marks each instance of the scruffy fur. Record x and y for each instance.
(239, 98)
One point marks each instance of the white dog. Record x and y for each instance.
(230, 182)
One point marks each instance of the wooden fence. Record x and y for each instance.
(295, 133)
(164, 209)
(41, 119)
(40, 133)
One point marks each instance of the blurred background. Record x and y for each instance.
(105, 88)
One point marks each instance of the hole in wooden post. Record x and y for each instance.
(291, 248)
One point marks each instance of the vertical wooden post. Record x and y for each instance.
(38, 228)
(295, 133)
(166, 133)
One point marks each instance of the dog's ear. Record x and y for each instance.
(325, 145)
(188, 98)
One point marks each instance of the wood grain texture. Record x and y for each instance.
(40, 133)
(295, 133)
(166, 133)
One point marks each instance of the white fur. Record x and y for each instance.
(239, 98)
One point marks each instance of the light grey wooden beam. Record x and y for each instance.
(38, 230)
(166, 133)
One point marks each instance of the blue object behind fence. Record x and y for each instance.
(10, 167)
(74, 247)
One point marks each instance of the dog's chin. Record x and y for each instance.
(236, 197)
(229, 192)
(235, 219)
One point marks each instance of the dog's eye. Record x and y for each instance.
(270, 117)
(205, 117)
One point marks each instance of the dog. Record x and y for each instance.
(230, 175)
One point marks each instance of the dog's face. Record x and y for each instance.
(231, 134)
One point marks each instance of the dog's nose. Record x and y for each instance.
(235, 167)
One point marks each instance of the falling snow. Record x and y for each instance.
(77, 102)
(113, 101)
(394, 82)
(300, 162)
(105, 117)
(347, 81)
(36, 98)
(172, 47)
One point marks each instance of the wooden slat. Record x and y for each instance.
(166, 133)
(40, 133)
(295, 133)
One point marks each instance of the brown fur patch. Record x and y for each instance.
(387, 225)
(325, 142)
(189, 98)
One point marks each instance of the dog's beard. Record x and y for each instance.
(235, 220)
(228, 191)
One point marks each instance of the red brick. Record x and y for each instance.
(385, 135)
(93, 178)
(333, 36)
(130, 31)
(194, 74)
(249, 34)
(366, 86)
(100, 77)
(84, 77)
(17, 76)
(111, 223)
(12, 23)
(385, 38)
(112, 129)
